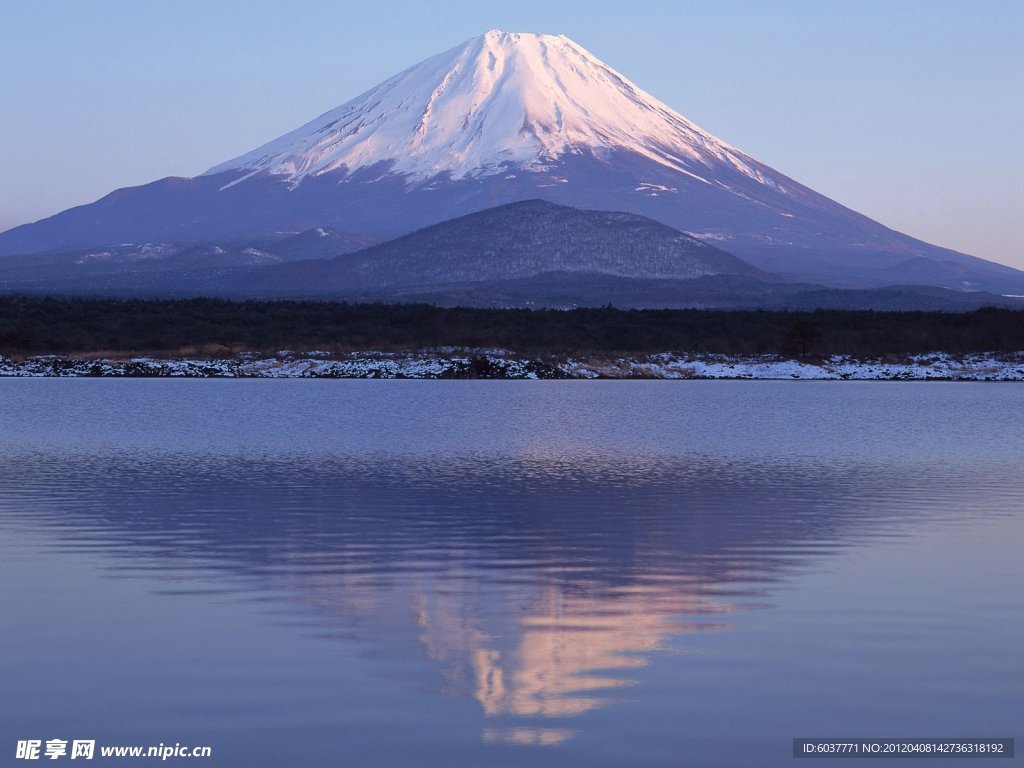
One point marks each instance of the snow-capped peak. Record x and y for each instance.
(499, 100)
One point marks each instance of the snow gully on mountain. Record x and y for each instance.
(452, 114)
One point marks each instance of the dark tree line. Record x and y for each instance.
(32, 325)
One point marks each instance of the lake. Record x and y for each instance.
(509, 573)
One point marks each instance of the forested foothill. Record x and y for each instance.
(34, 326)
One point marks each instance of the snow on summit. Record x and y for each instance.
(500, 100)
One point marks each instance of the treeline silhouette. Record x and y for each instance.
(33, 325)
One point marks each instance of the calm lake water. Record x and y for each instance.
(509, 573)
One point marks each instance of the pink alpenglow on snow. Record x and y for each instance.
(453, 113)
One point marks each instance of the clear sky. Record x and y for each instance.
(910, 111)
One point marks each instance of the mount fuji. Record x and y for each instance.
(502, 118)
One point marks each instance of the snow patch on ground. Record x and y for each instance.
(652, 190)
(938, 366)
(447, 363)
(708, 235)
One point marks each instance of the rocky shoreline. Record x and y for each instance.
(499, 364)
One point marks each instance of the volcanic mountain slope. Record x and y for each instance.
(507, 117)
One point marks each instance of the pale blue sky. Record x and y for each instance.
(911, 111)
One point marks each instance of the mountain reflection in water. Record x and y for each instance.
(498, 566)
(536, 583)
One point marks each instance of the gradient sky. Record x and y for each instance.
(910, 111)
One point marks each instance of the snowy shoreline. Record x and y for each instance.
(499, 364)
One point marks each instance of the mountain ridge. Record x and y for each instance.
(529, 254)
(507, 117)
